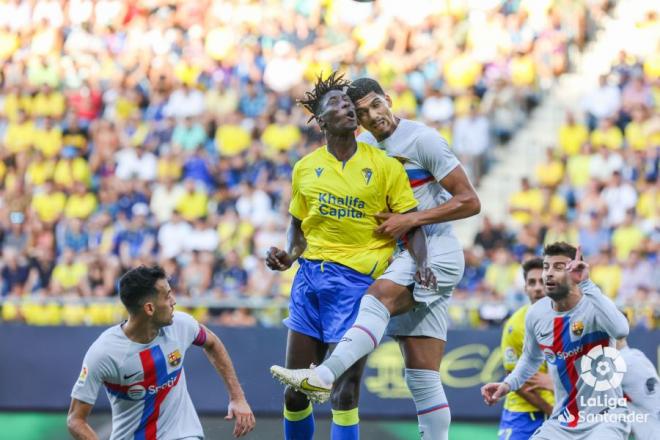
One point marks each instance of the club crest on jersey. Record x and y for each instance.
(174, 358)
(577, 328)
(319, 171)
(83, 374)
(367, 173)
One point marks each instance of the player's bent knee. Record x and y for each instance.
(345, 395)
(295, 401)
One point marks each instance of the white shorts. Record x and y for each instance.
(553, 430)
(429, 316)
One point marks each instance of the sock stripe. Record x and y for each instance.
(296, 416)
(373, 338)
(433, 408)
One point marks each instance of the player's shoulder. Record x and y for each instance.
(367, 138)
(540, 309)
(310, 159)
(183, 318)
(110, 343)
(516, 321)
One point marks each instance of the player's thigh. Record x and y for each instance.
(340, 290)
(303, 350)
(426, 323)
(421, 352)
(396, 297)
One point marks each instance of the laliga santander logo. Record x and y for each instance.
(602, 368)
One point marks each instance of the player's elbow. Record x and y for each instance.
(472, 204)
(73, 424)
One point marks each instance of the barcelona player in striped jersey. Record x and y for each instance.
(412, 312)
(574, 329)
(337, 192)
(139, 363)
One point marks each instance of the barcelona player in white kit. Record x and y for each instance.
(641, 388)
(574, 329)
(396, 304)
(140, 365)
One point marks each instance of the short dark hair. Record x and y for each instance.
(530, 264)
(138, 284)
(560, 248)
(361, 87)
(312, 100)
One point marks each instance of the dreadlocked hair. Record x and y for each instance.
(312, 100)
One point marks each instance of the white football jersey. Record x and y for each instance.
(145, 383)
(641, 387)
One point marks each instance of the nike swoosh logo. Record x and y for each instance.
(130, 375)
(305, 385)
(545, 335)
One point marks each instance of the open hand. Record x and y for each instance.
(426, 278)
(492, 392)
(277, 259)
(245, 420)
(578, 270)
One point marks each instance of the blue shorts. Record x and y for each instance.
(325, 299)
(519, 425)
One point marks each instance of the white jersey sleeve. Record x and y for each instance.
(608, 316)
(190, 332)
(95, 369)
(531, 358)
(434, 154)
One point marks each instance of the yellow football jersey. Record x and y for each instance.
(513, 336)
(336, 202)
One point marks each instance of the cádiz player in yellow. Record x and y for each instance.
(337, 190)
(527, 409)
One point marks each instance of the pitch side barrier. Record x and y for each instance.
(40, 364)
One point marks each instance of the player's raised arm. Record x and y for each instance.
(238, 407)
(76, 421)
(609, 316)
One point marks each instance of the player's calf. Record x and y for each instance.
(433, 412)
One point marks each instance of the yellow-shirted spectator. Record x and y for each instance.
(636, 132)
(578, 167)
(607, 135)
(572, 135)
(9, 42)
(169, 167)
(20, 134)
(231, 138)
(235, 234)
(193, 204)
(626, 238)
(606, 273)
(48, 139)
(560, 230)
(221, 102)
(49, 204)
(502, 273)
(648, 204)
(69, 275)
(652, 66)
(526, 203)
(462, 71)
(554, 205)
(280, 135)
(523, 71)
(102, 313)
(404, 103)
(42, 314)
(187, 73)
(70, 169)
(12, 104)
(48, 103)
(550, 172)
(81, 204)
(39, 170)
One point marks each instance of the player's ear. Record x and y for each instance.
(321, 122)
(389, 101)
(149, 308)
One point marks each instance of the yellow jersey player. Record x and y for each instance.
(337, 190)
(527, 409)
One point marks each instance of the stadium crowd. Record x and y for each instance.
(165, 131)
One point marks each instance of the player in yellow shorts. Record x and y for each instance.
(527, 409)
(337, 190)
